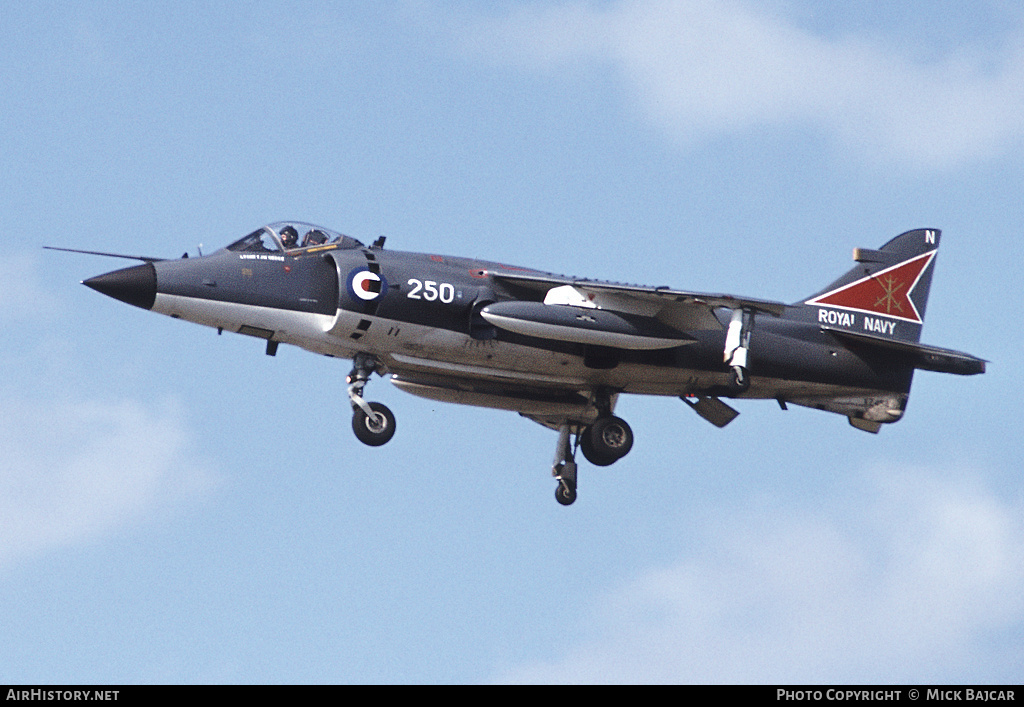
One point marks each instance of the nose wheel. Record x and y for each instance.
(372, 423)
(373, 429)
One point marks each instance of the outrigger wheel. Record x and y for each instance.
(739, 380)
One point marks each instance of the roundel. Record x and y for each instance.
(365, 285)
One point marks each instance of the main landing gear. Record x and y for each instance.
(373, 423)
(602, 443)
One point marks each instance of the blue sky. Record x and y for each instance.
(177, 507)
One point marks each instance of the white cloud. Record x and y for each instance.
(73, 472)
(22, 298)
(700, 68)
(917, 579)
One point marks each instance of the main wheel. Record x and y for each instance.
(376, 430)
(587, 447)
(606, 441)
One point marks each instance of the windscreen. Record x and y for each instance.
(261, 241)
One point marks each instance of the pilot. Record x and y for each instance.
(289, 237)
(314, 237)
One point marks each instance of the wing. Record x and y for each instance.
(611, 314)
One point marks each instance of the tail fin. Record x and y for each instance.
(885, 295)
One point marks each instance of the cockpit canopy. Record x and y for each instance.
(290, 235)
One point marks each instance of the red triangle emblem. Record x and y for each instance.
(886, 292)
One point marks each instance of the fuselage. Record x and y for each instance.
(419, 314)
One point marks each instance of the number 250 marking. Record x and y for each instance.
(430, 291)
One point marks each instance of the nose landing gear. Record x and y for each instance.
(372, 423)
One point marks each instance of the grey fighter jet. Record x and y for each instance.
(558, 350)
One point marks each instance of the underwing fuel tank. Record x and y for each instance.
(583, 325)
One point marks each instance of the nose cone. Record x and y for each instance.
(135, 285)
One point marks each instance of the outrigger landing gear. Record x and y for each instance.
(737, 349)
(373, 423)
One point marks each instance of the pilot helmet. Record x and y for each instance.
(289, 236)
